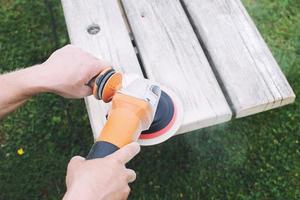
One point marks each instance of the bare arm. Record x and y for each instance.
(17, 87)
(66, 73)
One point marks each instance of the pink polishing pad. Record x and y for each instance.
(170, 126)
(162, 131)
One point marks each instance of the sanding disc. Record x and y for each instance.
(167, 120)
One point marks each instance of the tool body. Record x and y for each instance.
(140, 111)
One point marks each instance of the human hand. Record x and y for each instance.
(102, 178)
(68, 70)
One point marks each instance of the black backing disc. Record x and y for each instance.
(101, 81)
(164, 114)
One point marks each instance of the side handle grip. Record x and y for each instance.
(100, 149)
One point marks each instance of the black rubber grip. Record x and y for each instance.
(100, 149)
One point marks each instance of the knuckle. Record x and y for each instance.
(70, 166)
(131, 176)
(133, 173)
(73, 160)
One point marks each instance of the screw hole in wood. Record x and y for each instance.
(93, 29)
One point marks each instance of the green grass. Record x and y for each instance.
(257, 157)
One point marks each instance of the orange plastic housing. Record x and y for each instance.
(125, 120)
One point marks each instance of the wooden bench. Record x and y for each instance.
(208, 51)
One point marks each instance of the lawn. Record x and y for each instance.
(257, 157)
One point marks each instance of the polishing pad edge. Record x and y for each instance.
(178, 114)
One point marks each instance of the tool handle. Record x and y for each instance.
(119, 130)
(123, 125)
(101, 149)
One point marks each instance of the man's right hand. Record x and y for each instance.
(103, 178)
(68, 70)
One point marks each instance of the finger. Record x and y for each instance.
(126, 153)
(95, 69)
(98, 66)
(131, 175)
(75, 162)
(91, 82)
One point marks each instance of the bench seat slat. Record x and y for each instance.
(244, 64)
(172, 55)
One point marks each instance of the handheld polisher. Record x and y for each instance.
(141, 110)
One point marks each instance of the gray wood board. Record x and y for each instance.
(250, 75)
(111, 43)
(171, 55)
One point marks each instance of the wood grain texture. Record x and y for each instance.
(171, 55)
(244, 64)
(111, 43)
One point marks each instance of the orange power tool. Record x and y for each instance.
(132, 111)
(139, 107)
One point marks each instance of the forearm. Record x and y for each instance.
(17, 87)
(66, 72)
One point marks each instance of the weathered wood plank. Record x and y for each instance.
(111, 43)
(251, 76)
(171, 54)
